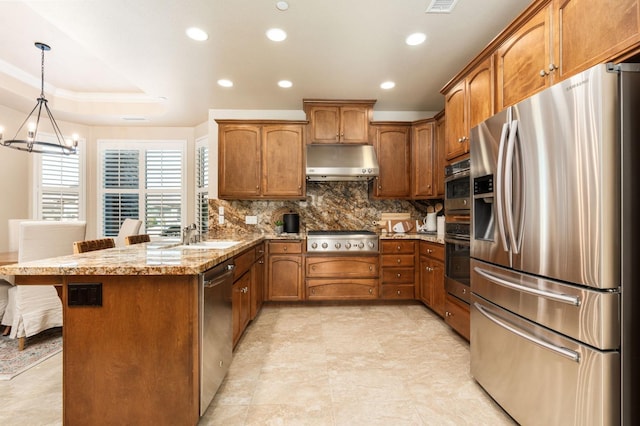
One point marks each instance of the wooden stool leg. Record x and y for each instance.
(21, 343)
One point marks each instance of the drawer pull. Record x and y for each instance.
(398, 292)
(370, 291)
(399, 261)
(399, 275)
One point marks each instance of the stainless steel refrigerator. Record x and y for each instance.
(554, 336)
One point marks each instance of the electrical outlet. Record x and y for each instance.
(221, 210)
(221, 220)
(251, 220)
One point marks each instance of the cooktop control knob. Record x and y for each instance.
(338, 245)
(325, 245)
(360, 245)
(347, 246)
(314, 245)
(370, 244)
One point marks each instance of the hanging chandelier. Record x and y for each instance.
(31, 143)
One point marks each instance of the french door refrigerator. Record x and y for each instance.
(555, 339)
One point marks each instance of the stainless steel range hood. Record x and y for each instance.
(341, 162)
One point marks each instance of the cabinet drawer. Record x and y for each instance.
(396, 246)
(243, 262)
(398, 260)
(342, 267)
(433, 250)
(348, 289)
(457, 315)
(279, 247)
(397, 291)
(398, 275)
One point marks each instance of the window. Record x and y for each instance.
(60, 185)
(202, 184)
(141, 180)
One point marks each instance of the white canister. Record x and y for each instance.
(430, 222)
(440, 226)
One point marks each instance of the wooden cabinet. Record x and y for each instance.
(457, 316)
(393, 147)
(342, 277)
(334, 121)
(521, 59)
(432, 292)
(284, 271)
(588, 32)
(240, 302)
(562, 39)
(468, 103)
(260, 160)
(257, 281)
(423, 159)
(440, 155)
(397, 277)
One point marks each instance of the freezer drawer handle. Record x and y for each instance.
(562, 298)
(567, 353)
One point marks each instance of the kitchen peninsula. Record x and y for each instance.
(131, 355)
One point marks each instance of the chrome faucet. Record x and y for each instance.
(187, 234)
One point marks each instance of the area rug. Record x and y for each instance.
(38, 348)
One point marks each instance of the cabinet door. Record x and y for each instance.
(354, 124)
(240, 305)
(394, 157)
(282, 161)
(457, 316)
(479, 94)
(440, 156)
(422, 159)
(588, 32)
(239, 171)
(521, 58)
(285, 278)
(456, 129)
(257, 287)
(324, 122)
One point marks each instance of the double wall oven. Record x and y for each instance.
(457, 205)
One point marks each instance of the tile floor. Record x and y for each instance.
(329, 365)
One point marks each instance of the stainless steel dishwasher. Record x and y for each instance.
(215, 329)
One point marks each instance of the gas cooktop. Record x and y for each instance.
(342, 241)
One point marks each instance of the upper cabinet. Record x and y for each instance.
(260, 159)
(334, 121)
(440, 154)
(525, 60)
(393, 148)
(423, 164)
(563, 38)
(468, 103)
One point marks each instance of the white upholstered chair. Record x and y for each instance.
(129, 227)
(35, 308)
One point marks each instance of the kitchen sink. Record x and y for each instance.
(215, 245)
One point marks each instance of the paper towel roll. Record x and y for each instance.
(440, 226)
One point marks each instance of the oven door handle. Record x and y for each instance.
(457, 241)
(562, 298)
(567, 353)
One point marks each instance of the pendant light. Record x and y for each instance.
(31, 143)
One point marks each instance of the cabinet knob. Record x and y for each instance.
(370, 291)
(313, 291)
(398, 248)
(261, 262)
(543, 73)
(284, 248)
(429, 251)
(552, 67)
(398, 275)
(399, 261)
(371, 268)
(398, 292)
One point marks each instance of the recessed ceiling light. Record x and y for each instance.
(225, 83)
(282, 5)
(197, 34)
(285, 84)
(415, 39)
(276, 34)
(388, 85)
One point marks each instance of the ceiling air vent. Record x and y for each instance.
(441, 6)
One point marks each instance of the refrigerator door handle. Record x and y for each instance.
(499, 188)
(508, 184)
(562, 298)
(567, 353)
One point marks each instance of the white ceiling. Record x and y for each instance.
(130, 58)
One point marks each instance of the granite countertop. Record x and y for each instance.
(160, 257)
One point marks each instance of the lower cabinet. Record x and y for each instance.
(457, 315)
(284, 271)
(398, 269)
(240, 302)
(341, 277)
(257, 281)
(432, 292)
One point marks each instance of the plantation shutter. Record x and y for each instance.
(202, 187)
(59, 187)
(121, 184)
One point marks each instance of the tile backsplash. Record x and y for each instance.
(328, 205)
